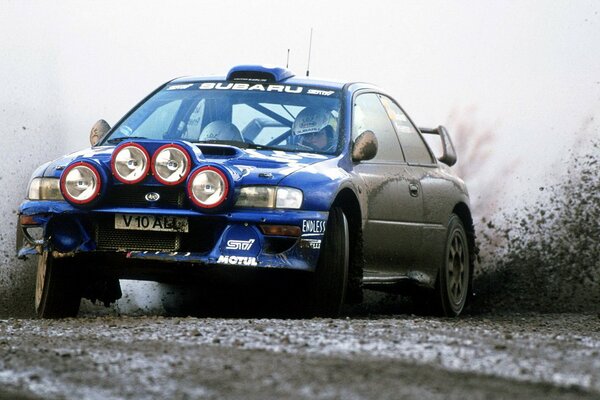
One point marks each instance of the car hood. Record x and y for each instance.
(261, 165)
(248, 166)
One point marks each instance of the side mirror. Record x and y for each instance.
(99, 129)
(365, 147)
(448, 156)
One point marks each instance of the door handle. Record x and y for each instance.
(413, 189)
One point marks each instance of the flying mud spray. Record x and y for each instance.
(35, 128)
(539, 250)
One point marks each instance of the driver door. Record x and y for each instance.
(393, 230)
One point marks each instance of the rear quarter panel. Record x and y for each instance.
(442, 191)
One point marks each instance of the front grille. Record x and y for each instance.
(202, 237)
(109, 238)
(135, 196)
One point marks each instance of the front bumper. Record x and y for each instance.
(235, 237)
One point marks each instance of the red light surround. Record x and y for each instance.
(191, 182)
(185, 173)
(146, 168)
(92, 169)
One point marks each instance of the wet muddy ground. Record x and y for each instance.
(359, 357)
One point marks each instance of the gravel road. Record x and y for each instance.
(360, 357)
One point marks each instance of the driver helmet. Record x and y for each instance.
(221, 130)
(314, 129)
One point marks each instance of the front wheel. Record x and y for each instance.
(57, 289)
(328, 283)
(453, 278)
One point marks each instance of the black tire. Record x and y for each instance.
(453, 283)
(57, 288)
(327, 288)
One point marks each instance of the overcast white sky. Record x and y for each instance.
(528, 70)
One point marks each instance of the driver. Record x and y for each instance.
(314, 129)
(220, 131)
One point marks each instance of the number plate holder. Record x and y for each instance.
(159, 223)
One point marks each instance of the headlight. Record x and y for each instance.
(288, 198)
(171, 164)
(256, 196)
(269, 197)
(44, 189)
(80, 183)
(130, 163)
(208, 187)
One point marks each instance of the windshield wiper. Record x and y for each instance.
(120, 139)
(266, 147)
(244, 145)
(233, 143)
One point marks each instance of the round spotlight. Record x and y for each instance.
(130, 163)
(80, 183)
(208, 187)
(171, 164)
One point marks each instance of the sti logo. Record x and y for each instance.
(239, 244)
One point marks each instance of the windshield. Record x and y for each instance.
(257, 115)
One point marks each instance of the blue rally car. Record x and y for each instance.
(254, 170)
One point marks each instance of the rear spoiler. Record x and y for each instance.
(448, 156)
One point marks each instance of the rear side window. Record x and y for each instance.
(414, 147)
(369, 115)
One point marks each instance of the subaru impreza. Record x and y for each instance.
(258, 169)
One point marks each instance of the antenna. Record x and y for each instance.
(309, 50)
(287, 64)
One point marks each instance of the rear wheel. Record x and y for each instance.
(57, 287)
(329, 281)
(453, 278)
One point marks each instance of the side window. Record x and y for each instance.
(369, 114)
(413, 145)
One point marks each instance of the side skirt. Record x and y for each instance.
(396, 283)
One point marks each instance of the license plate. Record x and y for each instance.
(160, 223)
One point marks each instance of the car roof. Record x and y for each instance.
(276, 75)
(288, 81)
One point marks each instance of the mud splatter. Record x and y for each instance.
(546, 257)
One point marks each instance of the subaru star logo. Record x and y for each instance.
(152, 196)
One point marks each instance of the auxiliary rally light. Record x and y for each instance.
(80, 183)
(130, 163)
(171, 164)
(208, 187)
